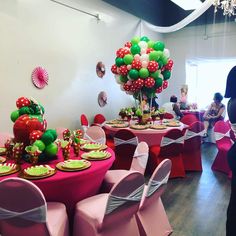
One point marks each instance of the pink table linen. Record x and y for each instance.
(71, 187)
(150, 136)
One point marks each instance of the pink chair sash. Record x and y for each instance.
(219, 136)
(37, 214)
(116, 201)
(132, 141)
(84, 128)
(190, 134)
(167, 141)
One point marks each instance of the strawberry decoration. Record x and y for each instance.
(159, 90)
(136, 64)
(132, 88)
(128, 44)
(114, 69)
(149, 50)
(126, 51)
(126, 87)
(18, 151)
(78, 133)
(138, 84)
(152, 66)
(35, 135)
(149, 82)
(165, 84)
(22, 102)
(65, 146)
(66, 134)
(120, 53)
(123, 70)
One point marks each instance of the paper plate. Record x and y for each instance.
(158, 127)
(93, 146)
(2, 150)
(96, 156)
(139, 127)
(71, 165)
(8, 168)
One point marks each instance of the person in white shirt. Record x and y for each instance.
(173, 108)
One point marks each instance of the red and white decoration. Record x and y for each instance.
(39, 77)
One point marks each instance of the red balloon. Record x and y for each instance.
(126, 87)
(114, 69)
(120, 53)
(149, 82)
(123, 70)
(152, 66)
(22, 102)
(149, 50)
(136, 64)
(159, 90)
(128, 44)
(165, 84)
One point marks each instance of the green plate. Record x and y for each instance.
(92, 146)
(97, 154)
(73, 164)
(2, 150)
(37, 171)
(5, 168)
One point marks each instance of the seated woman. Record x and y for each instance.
(172, 107)
(214, 112)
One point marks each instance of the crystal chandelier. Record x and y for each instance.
(228, 6)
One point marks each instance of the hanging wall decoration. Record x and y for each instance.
(39, 77)
(102, 99)
(100, 69)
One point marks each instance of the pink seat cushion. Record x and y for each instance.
(224, 146)
(57, 218)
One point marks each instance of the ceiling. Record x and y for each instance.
(165, 12)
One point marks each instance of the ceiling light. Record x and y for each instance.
(228, 6)
(188, 4)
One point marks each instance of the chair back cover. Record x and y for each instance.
(193, 136)
(140, 158)
(22, 208)
(125, 144)
(99, 119)
(95, 134)
(4, 137)
(172, 143)
(157, 183)
(189, 119)
(168, 116)
(222, 131)
(124, 199)
(84, 122)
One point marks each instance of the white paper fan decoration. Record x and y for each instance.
(39, 77)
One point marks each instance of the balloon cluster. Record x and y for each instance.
(142, 65)
(30, 127)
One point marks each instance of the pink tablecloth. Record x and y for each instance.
(150, 136)
(71, 187)
(198, 114)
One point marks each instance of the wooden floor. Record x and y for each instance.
(197, 205)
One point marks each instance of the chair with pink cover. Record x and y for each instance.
(223, 143)
(139, 163)
(192, 147)
(95, 134)
(168, 116)
(24, 211)
(151, 217)
(84, 122)
(4, 136)
(189, 119)
(99, 119)
(171, 147)
(125, 142)
(111, 214)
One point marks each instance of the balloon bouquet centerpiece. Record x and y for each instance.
(30, 132)
(142, 68)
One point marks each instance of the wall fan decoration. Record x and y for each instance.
(39, 77)
(100, 69)
(102, 99)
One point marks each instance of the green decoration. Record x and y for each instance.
(40, 144)
(158, 82)
(135, 40)
(159, 46)
(15, 115)
(143, 73)
(128, 59)
(123, 79)
(166, 74)
(135, 49)
(51, 150)
(145, 38)
(119, 61)
(133, 74)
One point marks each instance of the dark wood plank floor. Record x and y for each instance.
(197, 205)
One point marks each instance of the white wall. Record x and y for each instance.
(210, 41)
(68, 44)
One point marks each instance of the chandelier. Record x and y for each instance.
(228, 6)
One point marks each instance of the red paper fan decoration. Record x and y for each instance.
(39, 77)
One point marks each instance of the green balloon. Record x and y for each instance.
(158, 82)
(40, 144)
(145, 38)
(119, 61)
(155, 55)
(123, 79)
(15, 115)
(135, 49)
(155, 74)
(135, 40)
(150, 43)
(53, 132)
(133, 74)
(143, 73)
(166, 74)
(164, 60)
(47, 138)
(159, 46)
(51, 149)
(128, 59)
(25, 110)
(160, 64)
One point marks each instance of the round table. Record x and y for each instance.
(71, 187)
(198, 113)
(150, 136)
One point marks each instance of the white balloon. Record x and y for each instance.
(136, 56)
(129, 92)
(121, 87)
(128, 67)
(161, 76)
(144, 64)
(117, 77)
(166, 53)
(144, 57)
(129, 82)
(143, 45)
(143, 51)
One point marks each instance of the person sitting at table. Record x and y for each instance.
(214, 113)
(173, 108)
(183, 98)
